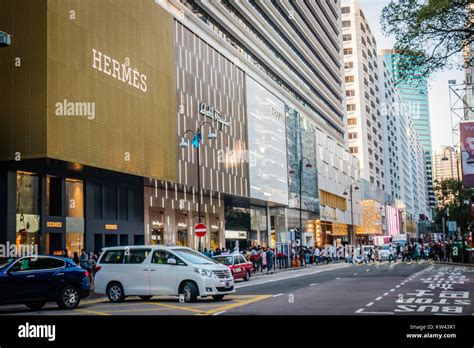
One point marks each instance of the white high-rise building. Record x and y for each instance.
(365, 129)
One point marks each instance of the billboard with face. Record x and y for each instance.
(466, 134)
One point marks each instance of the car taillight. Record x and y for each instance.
(97, 269)
(86, 274)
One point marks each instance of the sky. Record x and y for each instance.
(440, 112)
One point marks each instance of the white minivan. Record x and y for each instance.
(146, 271)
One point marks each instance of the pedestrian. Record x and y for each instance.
(391, 255)
(269, 259)
(263, 258)
(91, 267)
(83, 259)
(76, 258)
(377, 254)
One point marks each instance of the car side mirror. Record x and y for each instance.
(171, 262)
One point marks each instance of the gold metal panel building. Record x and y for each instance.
(95, 86)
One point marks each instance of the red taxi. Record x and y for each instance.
(239, 266)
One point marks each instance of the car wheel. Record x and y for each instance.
(190, 292)
(247, 276)
(218, 297)
(145, 298)
(115, 292)
(69, 297)
(36, 305)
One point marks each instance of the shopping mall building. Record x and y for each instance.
(97, 96)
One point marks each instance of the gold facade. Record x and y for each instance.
(65, 103)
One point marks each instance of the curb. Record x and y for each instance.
(454, 263)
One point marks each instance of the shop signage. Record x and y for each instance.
(200, 230)
(120, 71)
(235, 235)
(54, 224)
(277, 114)
(213, 114)
(111, 227)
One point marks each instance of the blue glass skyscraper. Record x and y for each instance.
(414, 95)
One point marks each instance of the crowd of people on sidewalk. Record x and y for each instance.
(86, 260)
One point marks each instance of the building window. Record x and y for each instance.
(346, 24)
(351, 107)
(53, 196)
(75, 198)
(349, 79)
(353, 149)
(345, 10)
(348, 65)
(350, 93)
(346, 37)
(351, 121)
(27, 209)
(352, 135)
(347, 51)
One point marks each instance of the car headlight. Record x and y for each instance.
(206, 273)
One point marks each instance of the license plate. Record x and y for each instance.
(227, 285)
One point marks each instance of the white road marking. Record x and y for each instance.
(385, 294)
(277, 295)
(367, 270)
(369, 304)
(219, 313)
(375, 312)
(397, 286)
(313, 284)
(392, 290)
(355, 273)
(338, 278)
(378, 298)
(359, 310)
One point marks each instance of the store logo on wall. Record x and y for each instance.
(277, 114)
(111, 227)
(120, 71)
(54, 224)
(213, 114)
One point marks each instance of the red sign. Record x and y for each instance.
(200, 230)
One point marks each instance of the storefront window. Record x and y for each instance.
(75, 198)
(27, 209)
(258, 233)
(157, 220)
(214, 232)
(182, 226)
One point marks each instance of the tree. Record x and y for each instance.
(447, 193)
(433, 33)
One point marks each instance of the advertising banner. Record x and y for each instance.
(466, 142)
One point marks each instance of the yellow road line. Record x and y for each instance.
(95, 301)
(135, 310)
(176, 307)
(88, 311)
(241, 303)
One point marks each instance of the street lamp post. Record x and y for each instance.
(196, 141)
(308, 165)
(461, 203)
(351, 187)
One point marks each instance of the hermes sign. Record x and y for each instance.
(120, 71)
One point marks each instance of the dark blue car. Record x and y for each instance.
(35, 280)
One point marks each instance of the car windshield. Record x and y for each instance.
(5, 261)
(193, 257)
(225, 260)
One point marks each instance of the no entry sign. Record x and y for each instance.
(200, 230)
